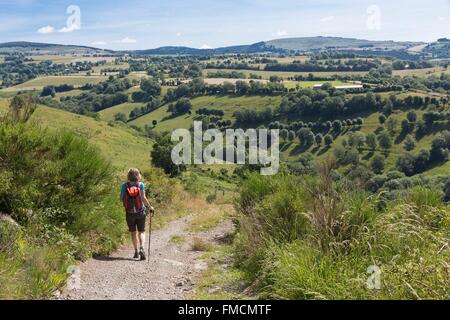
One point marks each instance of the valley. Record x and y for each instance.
(364, 132)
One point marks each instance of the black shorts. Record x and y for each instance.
(136, 221)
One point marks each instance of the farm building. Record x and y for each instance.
(350, 86)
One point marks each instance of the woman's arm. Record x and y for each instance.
(146, 202)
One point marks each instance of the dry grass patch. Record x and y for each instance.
(201, 245)
(209, 216)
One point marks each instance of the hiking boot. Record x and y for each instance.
(142, 254)
(136, 255)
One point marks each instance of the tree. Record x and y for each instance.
(410, 143)
(385, 141)
(371, 141)
(406, 164)
(48, 91)
(20, 110)
(412, 116)
(406, 126)
(121, 117)
(154, 123)
(388, 107)
(306, 137)
(382, 119)
(391, 125)
(161, 156)
(328, 140)
(447, 191)
(319, 139)
(378, 164)
(422, 161)
(337, 126)
(439, 149)
(357, 140)
(291, 135)
(151, 87)
(284, 133)
(184, 105)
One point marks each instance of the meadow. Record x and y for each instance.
(115, 143)
(267, 74)
(229, 104)
(41, 82)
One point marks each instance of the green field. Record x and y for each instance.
(371, 124)
(40, 83)
(123, 146)
(227, 103)
(267, 74)
(126, 108)
(310, 84)
(70, 58)
(111, 65)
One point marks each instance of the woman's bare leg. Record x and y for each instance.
(134, 239)
(142, 239)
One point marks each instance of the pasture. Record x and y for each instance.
(229, 104)
(41, 82)
(267, 74)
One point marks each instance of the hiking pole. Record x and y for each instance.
(150, 235)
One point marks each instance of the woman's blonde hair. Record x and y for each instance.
(134, 175)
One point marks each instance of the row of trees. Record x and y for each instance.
(413, 164)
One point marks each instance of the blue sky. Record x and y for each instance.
(134, 24)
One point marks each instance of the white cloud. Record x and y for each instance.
(45, 30)
(327, 19)
(442, 18)
(72, 28)
(128, 40)
(99, 43)
(280, 33)
(179, 34)
(205, 46)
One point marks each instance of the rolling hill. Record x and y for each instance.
(48, 48)
(116, 143)
(302, 44)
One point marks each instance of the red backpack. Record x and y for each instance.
(132, 199)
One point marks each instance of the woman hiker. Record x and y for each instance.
(135, 203)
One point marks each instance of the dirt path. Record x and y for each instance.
(171, 274)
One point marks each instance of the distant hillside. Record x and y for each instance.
(306, 44)
(321, 43)
(32, 48)
(288, 45)
(439, 49)
(254, 48)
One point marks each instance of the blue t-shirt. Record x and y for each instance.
(124, 188)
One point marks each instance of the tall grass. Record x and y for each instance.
(315, 238)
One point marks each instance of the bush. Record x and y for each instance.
(314, 238)
(61, 191)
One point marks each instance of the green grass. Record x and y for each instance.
(267, 74)
(39, 83)
(177, 239)
(227, 103)
(111, 65)
(125, 108)
(310, 84)
(371, 124)
(70, 93)
(123, 146)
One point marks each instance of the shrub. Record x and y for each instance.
(314, 238)
(61, 191)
